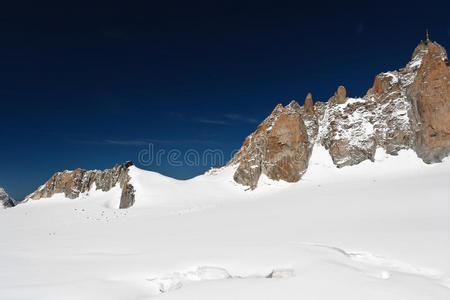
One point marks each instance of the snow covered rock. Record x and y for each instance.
(405, 109)
(420, 93)
(5, 200)
(346, 131)
(79, 181)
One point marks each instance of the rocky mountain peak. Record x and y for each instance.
(423, 48)
(80, 181)
(293, 106)
(5, 200)
(405, 109)
(430, 97)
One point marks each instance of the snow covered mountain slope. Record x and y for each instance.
(378, 230)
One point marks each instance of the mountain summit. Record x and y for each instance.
(405, 109)
(5, 200)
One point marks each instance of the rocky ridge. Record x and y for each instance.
(405, 109)
(80, 181)
(5, 200)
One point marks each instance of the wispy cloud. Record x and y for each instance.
(226, 119)
(158, 141)
(238, 117)
(144, 142)
(126, 142)
(208, 121)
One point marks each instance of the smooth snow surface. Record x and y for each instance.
(378, 230)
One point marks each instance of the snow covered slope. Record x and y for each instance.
(377, 230)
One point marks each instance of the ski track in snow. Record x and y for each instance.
(207, 238)
(368, 263)
(383, 267)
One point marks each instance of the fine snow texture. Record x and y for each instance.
(377, 230)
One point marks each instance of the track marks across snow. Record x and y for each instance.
(383, 267)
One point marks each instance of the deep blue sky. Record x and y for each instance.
(90, 84)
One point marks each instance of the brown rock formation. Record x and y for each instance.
(339, 96)
(79, 181)
(309, 116)
(430, 95)
(127, 197)
(279, 148)
(385, 88)
(405, 109)
(308, 107)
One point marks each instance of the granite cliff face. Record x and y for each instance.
(405, 109)
(430, 95)
(5, 200)
(79, 181)
(279, 148)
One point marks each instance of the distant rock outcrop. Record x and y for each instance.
(79, 181)
(5, 200)
(405, 109)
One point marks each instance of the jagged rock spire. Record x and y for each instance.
(340, 96)
(430, 96)
(309, 105)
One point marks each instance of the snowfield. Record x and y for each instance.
(377, 230)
